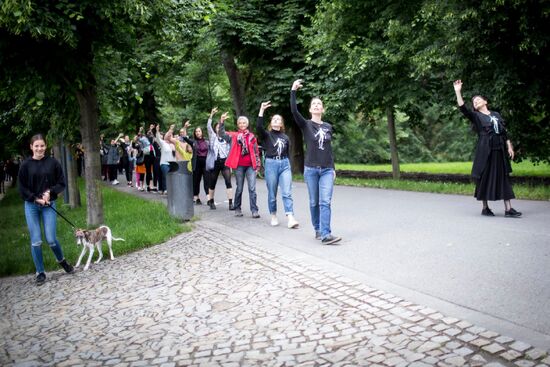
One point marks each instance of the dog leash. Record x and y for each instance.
(61, 215)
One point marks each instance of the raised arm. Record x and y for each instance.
(462, 107)
(300, 120)
(211, 132)
(458, 91)
(221, 133)
(185, 136)
(260, 121)
(170, 136)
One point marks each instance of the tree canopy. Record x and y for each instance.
(170, 60)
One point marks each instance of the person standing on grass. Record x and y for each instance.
(218, 150)
(277, 169)
(244, 159)
(40, 181)
(491, 168)
(319, 173)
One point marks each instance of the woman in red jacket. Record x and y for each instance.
(244, 159)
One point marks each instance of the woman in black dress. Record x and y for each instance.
(491, 168)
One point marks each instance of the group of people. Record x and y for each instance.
(41, 177)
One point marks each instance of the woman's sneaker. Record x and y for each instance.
(274, 220)
(487, 212)
(330, 240)
(66, 266)
(292, 222)
(40, 278)
(512, 213)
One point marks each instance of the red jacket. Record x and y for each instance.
(232, 160)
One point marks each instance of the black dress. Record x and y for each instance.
(491, 167)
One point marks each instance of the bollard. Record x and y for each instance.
(180, 192)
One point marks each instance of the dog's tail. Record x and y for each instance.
(118, 239)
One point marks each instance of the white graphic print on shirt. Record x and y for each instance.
(280, 145)
(321, 135)
(494, 121)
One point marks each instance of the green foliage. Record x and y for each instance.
(122, 214)
(161, 61)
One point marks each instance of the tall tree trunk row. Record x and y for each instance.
(87, 101)
(393, 143)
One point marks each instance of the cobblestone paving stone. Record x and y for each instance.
(205, 299)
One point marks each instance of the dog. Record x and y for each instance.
(90, 238)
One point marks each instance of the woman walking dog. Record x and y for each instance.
(40, 181)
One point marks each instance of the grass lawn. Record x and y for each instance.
(525, 168)
(140, 222)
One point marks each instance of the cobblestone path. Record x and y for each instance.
(208, 299)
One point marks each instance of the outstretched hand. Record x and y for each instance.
(187, 124)
(264, 106)
(213, 111)
(297, 84)
(224, 117)
(457, 85)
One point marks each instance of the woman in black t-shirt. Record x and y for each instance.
(277, 165)
(319, 173)
(491, 167)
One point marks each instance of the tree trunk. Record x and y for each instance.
(87, 101)
(150, 110)
(393, 143)
(74, 192)
(58, 154)
(234, 76)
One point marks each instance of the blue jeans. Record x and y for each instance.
(277, 173)
(320, 183)
(250, 174)
(162, 182)
(35, 213)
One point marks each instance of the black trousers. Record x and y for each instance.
(113, 171)
(149, 160)
(219, 166)
(198, 174)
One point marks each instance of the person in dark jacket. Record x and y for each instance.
(200, 152)
(40, 181)
(491, 168)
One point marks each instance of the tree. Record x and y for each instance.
(362, 59)
(53, 46)
(261, 53)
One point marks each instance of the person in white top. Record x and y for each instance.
(218, 149)
(167, 150)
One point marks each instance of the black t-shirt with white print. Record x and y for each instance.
(318, 138)
(275, 143)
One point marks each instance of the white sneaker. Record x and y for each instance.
(115, 182)
(292, 222)
(274, 220)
